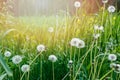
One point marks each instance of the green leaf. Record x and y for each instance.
(3, 76)
(5, 66)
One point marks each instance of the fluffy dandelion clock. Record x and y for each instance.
(74, 41)
(7, 54)
(101, 28)
(112, 65)
(40, 48)
(96, 27)
(104, 1)
(50, 29)
(16, 59)
(77, 4)
(77, 43)
(112, 57)
(117, 68)
(25, 68)
(70, 63)
(80, 44)
(52, 58)
(96, 36)
(111, 9)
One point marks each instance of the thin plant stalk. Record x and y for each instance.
(83, 60)
(22, 76)
(106, 74)
(71, 67)
(40, 67)
(65, 76)
(74, 63)
(95, 62)
(103, 13)
(31, 64)
(53, 70)
(101, 64)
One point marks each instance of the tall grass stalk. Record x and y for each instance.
(106, 74)
(92, 45)
(101, 64)
(31, 64)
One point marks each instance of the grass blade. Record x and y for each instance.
(5, 66)
(3, 76)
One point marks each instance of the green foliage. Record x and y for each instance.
(22, 35)
(5, 66)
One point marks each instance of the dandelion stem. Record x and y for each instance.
(70, 73)
(19, 70)
(103, 13)
(71, 67)
(40, 67)
(74, 63)
(76, 12)
(53, 70)
(28, 76)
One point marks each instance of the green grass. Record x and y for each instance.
(90, 63)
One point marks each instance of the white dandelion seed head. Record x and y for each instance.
(70, 62)
(77, 4)
(7, 54)
(96, 36)
(80, 44)
(77, 43)
(74, 41)
(118, 66)
(40, 48)
(50, 29)
(112, 57)
(101, 28)
(17, 59)
(25, 68)
(117, 70)
(52, 58)
(104, 1)
(95, 27)
(111, 9)
(113, 65)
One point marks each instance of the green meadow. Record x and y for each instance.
(60, 47)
